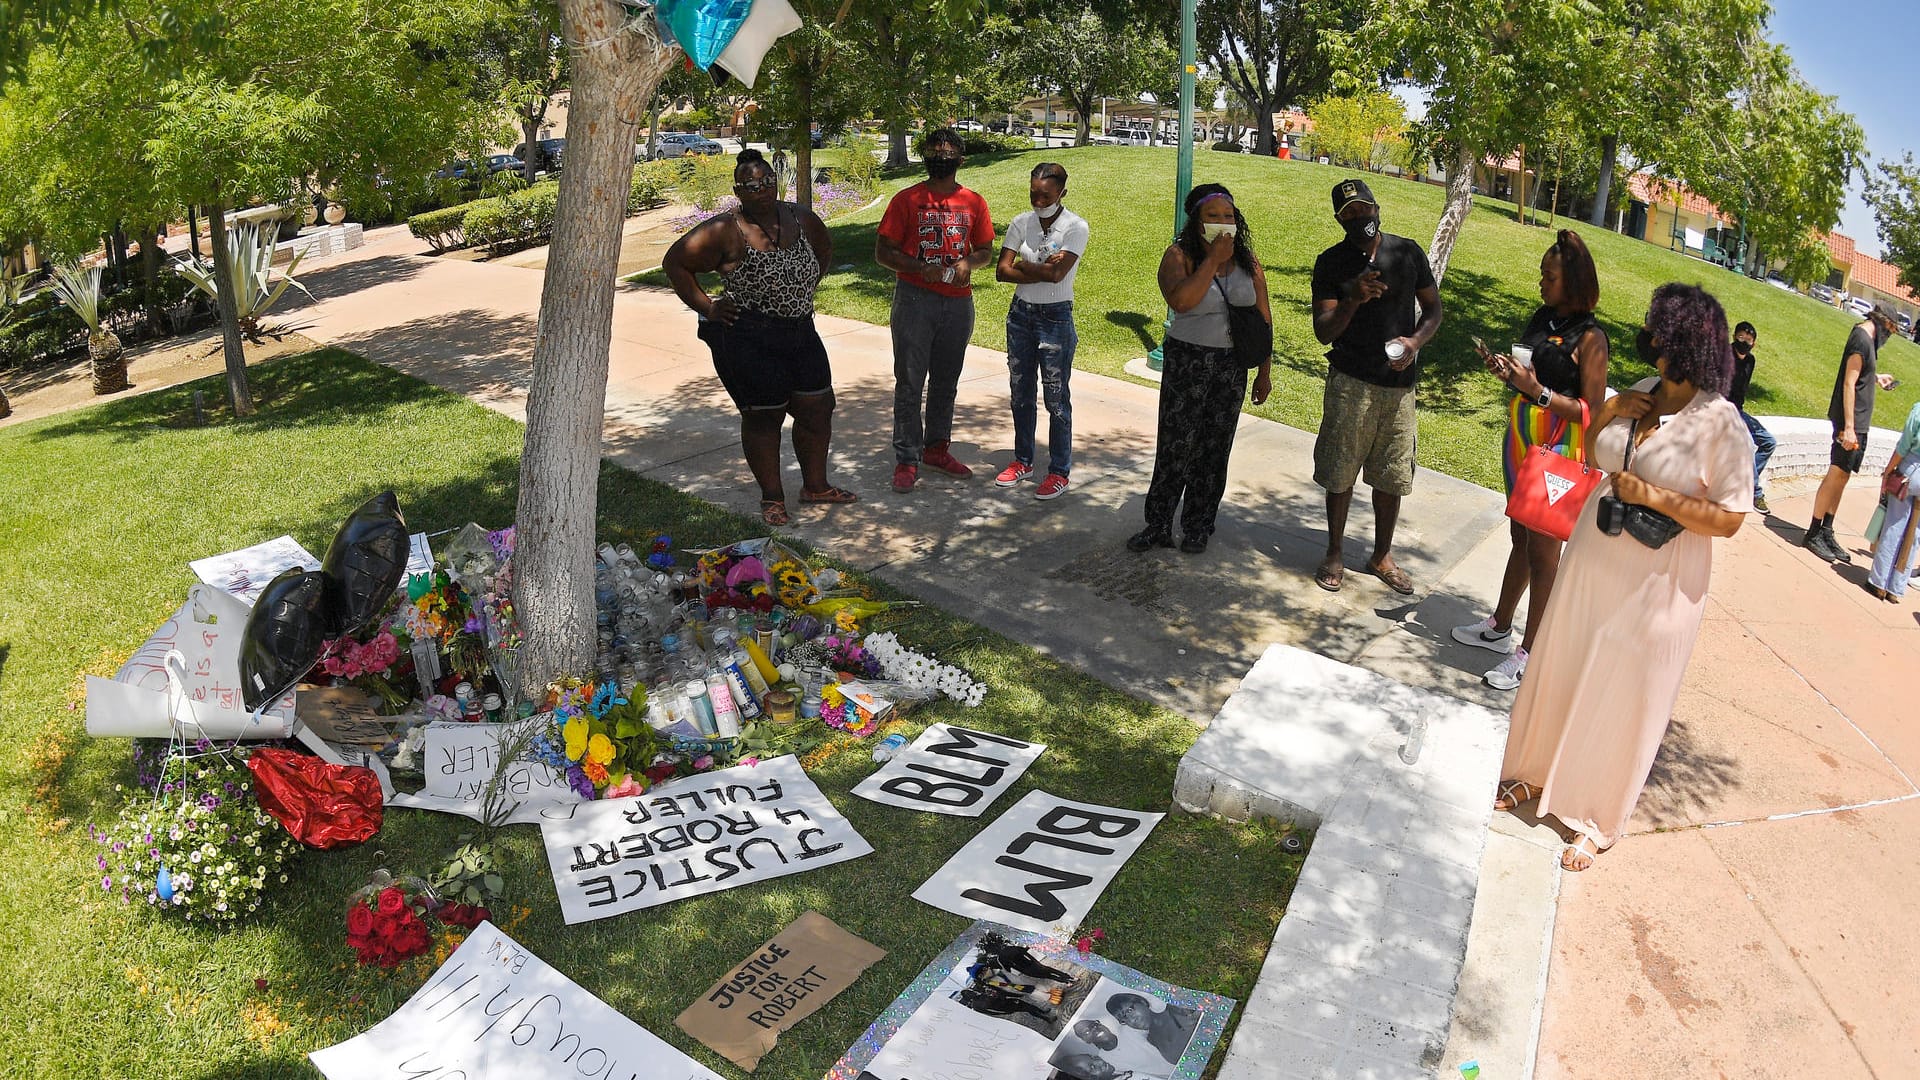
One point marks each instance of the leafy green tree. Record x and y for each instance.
(807, 80)
(1363, 130)
(1486, 66)
(1274, 53)
(1778, 154)
(1161, 82)
(1077, 56)
(1895, 197)
(911, 52)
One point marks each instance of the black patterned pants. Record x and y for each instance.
(1200, 394)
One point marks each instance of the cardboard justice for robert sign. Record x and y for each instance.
(495, 1011)
(782, 983)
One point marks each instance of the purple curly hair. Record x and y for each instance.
(1692, 330)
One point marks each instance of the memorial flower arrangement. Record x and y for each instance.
(384, 923)
(601, 740)
(200, 846)
(917, 670)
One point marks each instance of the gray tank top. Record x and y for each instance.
(1205, 324)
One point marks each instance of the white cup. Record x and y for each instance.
(1395, 350)
(1523, 355)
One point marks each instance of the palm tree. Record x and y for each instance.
(79, 287)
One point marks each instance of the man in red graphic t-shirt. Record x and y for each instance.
(933, 237)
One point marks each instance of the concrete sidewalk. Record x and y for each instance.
(1695, 947)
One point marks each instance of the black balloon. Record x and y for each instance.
(285, 630)
(365, 563)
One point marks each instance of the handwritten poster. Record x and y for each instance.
(459, 761)
(141, 700)
(1039, 866)
(245, 572)
(785, 981)
(1011, 1005)
(951, 770)
(696, 835)
(495, 1011)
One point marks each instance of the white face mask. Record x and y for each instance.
(1050, 212)
(1213, 229)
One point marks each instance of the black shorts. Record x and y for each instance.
(1849, 460)
(763, 361)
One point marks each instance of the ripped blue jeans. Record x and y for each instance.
(1040, 344)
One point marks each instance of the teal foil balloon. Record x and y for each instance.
(703, 27)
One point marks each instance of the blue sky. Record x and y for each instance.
(1858, 51)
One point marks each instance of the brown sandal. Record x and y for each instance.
(830, 495)
(1396, 578)
(773, 512)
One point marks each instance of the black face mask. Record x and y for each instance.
(1741, 348)
(1880, 333)
(1643, 347)
(1361, 231)
(942, 168)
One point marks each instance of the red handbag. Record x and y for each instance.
(1549, 488)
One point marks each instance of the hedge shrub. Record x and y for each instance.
(488, 224)
(443, 230)
(650, 183)
(980, 142)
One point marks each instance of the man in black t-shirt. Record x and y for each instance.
(1364, 293)
(1744, 337)
(1850, 410)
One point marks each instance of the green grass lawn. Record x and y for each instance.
(105, 508)
(1491, 287)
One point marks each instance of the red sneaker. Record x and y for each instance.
(1013, 474)
(1054, 486)
(937, 456)
(904, 477)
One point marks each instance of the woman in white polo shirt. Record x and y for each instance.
(1040, 255)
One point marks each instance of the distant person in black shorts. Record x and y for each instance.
(1851, 412)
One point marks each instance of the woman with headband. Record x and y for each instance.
(1208, 266)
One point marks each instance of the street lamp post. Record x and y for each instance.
(1183, 172)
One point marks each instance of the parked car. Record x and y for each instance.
(1859, 305)
(673, 144)
(1822, 293)
(967, 125)
(1906, 323)
(552, 151)
(784, 140)
(1778, 282)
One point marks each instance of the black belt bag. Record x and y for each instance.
(1649, 526)
(1252, 335)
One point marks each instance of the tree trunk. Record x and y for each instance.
(1459, 201)
(238, 393)
(529, 134)
(803, 147)
(1263, 131)
(1080, 137)
(1609, 150)
(896, 142)
(613, 76)
(150, 277)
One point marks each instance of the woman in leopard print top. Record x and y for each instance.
(770, 255)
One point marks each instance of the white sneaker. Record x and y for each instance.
(1485, 636)
(1507, 675)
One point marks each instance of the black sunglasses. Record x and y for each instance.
(760, 183)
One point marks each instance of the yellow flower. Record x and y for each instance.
(831, 695)
(599, 750)
(576, 735)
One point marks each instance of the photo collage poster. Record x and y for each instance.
(1016, 1005)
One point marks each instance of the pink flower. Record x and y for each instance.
(626, 788)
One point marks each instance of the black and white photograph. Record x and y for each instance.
(1124, 1034)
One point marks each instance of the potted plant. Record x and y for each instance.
(79, 288)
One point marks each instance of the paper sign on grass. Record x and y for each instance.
(142, 700)
(495, 1011)
(1039, 866)
(785, 981)
(245, 572)
(697, 835)
(951, 770)
(460, 760)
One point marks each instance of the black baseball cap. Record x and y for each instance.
(1347, 192)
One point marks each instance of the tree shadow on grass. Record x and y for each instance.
(1137, 323)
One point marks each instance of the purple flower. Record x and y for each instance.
(577, 780)
(106, 884)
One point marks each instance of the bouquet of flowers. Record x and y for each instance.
(839, 652)
(384, 922)
(201, 846)
(600, 740)
(915, 669)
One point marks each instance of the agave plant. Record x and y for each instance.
(250, 270)
(79, 288)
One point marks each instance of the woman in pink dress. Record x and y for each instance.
(1614, 642)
